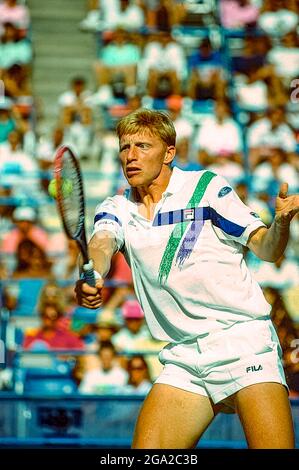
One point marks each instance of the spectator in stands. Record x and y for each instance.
(16, 82)
(76, 117)
(277, 18)
(281, 318)
(18, 168)
(274, 170)
(238, 14)
(183, 127)
(229, 169)
(13, 50)
(119, 56)
(46, 148)
(139, 381)
(78, 128)
(206, 85)
(207, 74)
(259, 89)
(7, 207)
(75, 98)
(285, 57)
(135, 335)
(108, 378)
(83, 364)
(205, 57)
(9, 295)
(49, 335)
(251, 55)
(45, 151)
(269, 132)
(11, 11)
(110, 94)
(107, 16)
(7, 121)
(25, 219)
(163, 58)
(219, 134)
(182, 157)
(52, 293)
(107, 326)
(164, 14)
(128, 15)
(31, 261)
(288, 335)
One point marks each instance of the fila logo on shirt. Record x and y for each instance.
(188, 214)
(254, 368)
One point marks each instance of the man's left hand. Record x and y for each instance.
(286, 206)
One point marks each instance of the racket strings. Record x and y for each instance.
(71, 194)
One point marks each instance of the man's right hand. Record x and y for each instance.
(87, 296)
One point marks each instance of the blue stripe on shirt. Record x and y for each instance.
(200, 213)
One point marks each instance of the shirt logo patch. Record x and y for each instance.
(254, 214)
(188, 214)
(225, 190)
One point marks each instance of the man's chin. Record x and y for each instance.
(134, 181)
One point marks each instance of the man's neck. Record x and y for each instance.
(152, 193)
(149, 196)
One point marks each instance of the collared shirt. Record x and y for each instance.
(187, 263)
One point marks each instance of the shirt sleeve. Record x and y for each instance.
(108, 218)
(231, 218)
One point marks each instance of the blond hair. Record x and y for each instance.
(155, 122)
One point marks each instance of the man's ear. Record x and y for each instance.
(169, 154)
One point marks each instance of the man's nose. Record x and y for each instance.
(132, 153)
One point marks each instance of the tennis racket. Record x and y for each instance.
(71, 204)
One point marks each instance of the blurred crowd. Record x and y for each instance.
(227, 72)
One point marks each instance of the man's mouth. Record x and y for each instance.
(132, 171)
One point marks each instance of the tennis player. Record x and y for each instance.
(183, 235)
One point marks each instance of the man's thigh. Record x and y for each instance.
(172, 418)
(265, 414)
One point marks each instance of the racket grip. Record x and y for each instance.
(88, 273)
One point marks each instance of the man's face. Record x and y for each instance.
(142, 157)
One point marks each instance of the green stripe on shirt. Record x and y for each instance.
(180, 228)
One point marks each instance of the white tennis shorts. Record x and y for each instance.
(224, 362)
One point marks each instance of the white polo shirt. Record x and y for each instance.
(189, 273)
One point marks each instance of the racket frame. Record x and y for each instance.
(80, 234)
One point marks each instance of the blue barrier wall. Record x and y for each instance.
(103, 421)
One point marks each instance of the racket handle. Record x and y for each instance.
(88, 273)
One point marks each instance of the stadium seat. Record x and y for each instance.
(55, 379)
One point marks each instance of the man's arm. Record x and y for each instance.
(269, 244)
(101, 247)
